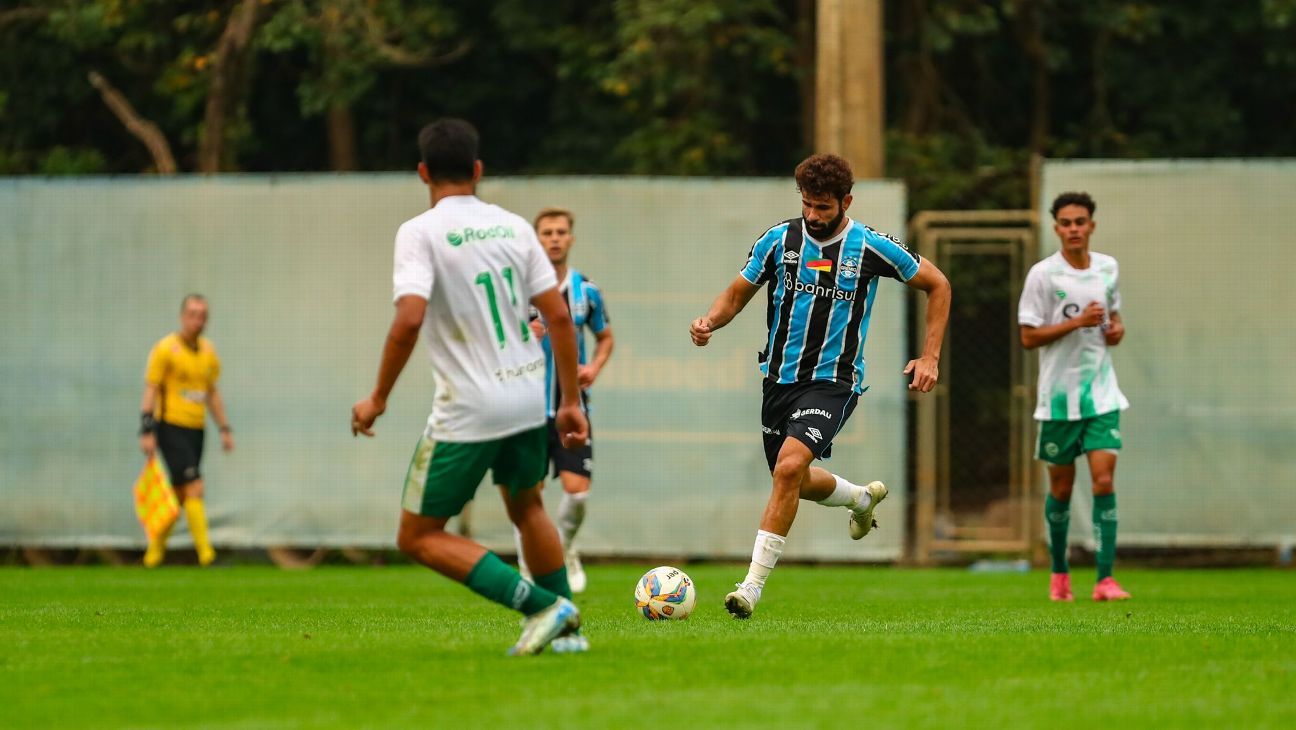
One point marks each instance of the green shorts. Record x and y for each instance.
(1062, 442)
(443, 477)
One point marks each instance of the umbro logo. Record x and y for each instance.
(791, 257)
(814, 434)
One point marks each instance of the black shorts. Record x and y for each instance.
(811, 413)
(181, 450)
(578, 461)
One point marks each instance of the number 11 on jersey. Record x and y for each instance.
(487, 283)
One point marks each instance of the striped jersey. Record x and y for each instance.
(821, 298)
(585, 302)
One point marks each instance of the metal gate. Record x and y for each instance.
(975, 476)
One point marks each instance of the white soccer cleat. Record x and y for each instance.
(574, 643)
(742, 602)
(576, 579)
(542, 627)
(861, 520)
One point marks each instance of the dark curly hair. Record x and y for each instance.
(825, 175)
(1081, 199)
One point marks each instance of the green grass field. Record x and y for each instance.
(254, 647)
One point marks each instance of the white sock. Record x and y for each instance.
(571, 513)
(522, 566)
(765, 554)
(844, 495)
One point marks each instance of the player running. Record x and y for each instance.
(465, 274)
(822, 270)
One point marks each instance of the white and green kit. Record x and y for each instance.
(1076, 378)
(478, 266)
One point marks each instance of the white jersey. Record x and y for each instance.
(478, 266)
(1076, 379)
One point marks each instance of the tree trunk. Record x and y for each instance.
(922, 79)
(227, 59)
(1030, 33)
(341, 138)
(143, 129)
(805, 63)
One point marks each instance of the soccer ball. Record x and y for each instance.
(665, 593)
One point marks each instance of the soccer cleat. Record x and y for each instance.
(206, 557)
(1109, 590)
(861, 521)
(575, 572)
(573, 643)
(542, 627)
(742, 602)
(1060, 587)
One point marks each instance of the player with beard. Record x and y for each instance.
(822, 272)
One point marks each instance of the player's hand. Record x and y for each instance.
(925, 373)
(585, 375)
(573, 429)
(1092, 316)
(363, 415)
(148, 445)
(227, 441)
(538, 329)
(700, 331)
(1114, 333)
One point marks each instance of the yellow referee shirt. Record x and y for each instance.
(184, 377)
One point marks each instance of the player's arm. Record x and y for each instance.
(154, 372)
(725, 307)
(401, 339)
(217, 403)
(573, 429)
(931, 281)
(1033, 337)
(1115, 331)
(148, 424)
(603, 345)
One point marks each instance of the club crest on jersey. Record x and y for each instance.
(849, 269)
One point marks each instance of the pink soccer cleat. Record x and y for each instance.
(1060, 587)
(1109, 590)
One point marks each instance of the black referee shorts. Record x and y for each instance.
(181, 449)
(579, 461)
(810, 412)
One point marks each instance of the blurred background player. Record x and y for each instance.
(573, 467)
(1070, 310)
(822, 270)
(179, 385)
(466, 273)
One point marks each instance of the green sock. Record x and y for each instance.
(555, 582)
(1057, 515)
(494, 579)
(1104, 521)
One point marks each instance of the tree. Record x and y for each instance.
(348, 43)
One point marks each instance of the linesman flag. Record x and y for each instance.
(155, 500)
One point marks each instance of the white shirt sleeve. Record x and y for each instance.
(412, 272)
(1033, 308)
(1114, 297)
(539, 275)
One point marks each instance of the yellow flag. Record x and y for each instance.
(155, 501)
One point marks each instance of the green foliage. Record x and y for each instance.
(66, 161)
(349, 41)
(690, 87)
